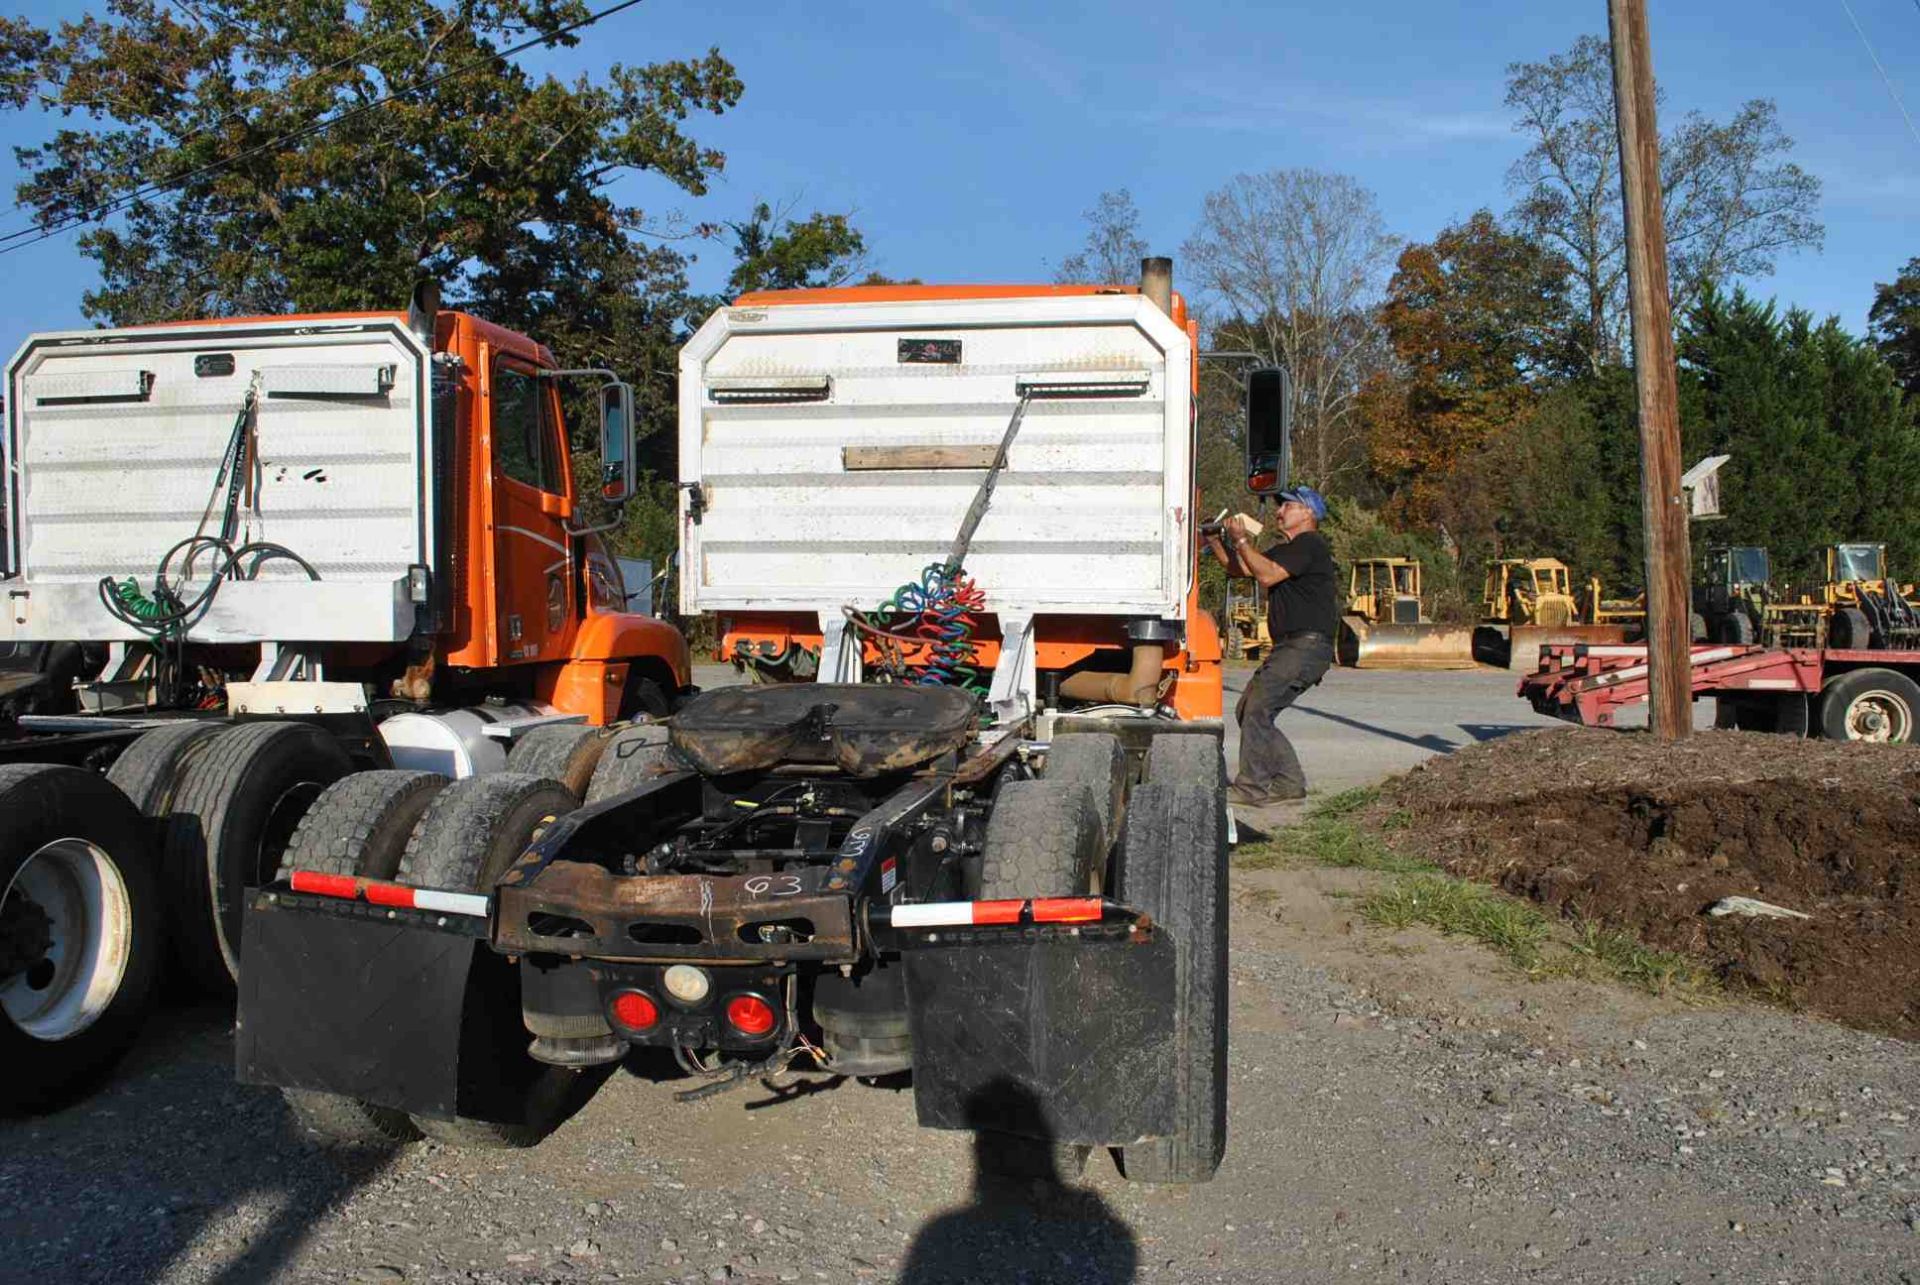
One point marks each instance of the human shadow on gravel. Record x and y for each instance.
(1025, 1223)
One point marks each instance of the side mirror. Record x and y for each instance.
(1269, 429)
(616, 443)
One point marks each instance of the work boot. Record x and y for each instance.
(1253, 796)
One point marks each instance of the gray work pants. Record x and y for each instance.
(1267, 760)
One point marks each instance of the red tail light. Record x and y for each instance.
(634, 1011)
(750, 1015)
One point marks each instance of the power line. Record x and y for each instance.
(12, 241)
(1884, 78)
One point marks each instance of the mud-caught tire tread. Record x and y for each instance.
(563, 752)
(1191, 757)
(1043, 840)
(1095, 760)
(148, 769)
(631, 757)
(1173, 866)
(219, 811)
(361, 823)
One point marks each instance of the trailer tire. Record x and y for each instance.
(632, 757)
(472, 831)
(1869, 705)
(99, 875)
(1173, 866)
(236, 808)
(563, 752)
(1043, 840)
(1095, 760)
(1192, 757)
(359, 826)
(148, 769)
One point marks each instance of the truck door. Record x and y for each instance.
(533, 564)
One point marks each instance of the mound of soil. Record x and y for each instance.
(1623, 830)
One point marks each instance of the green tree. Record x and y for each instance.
(268, 155)
(1893, 323)
(772, 251)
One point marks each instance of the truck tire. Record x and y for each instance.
(472, 831)
(1173, 866)
(1736, 628)
(80, 932)
(1043, 840)
(148, 769)
(1095, 760)
(361, 823)
(358, 826)
(1869, 705)
(563, 752)
(1194, 758)
(633, 756)
(235, 810)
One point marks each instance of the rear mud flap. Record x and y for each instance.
(1058, 1037)
(353, 1004)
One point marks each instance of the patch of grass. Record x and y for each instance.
(1621, 957)
(1329, 836)
(1460, 909)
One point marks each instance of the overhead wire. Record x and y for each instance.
(1884, 78)
(21, 239)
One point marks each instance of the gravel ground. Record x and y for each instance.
(1403, 1108)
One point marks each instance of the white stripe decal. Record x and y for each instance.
(453, 903)
(933, 914)
(1777, 684)
(534, 535)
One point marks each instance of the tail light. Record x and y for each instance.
(750, 1015)
(634, 1011)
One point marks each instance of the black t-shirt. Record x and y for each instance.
(1304, 601)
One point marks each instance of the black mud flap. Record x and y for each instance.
(1059, 1037)
(352, 1003)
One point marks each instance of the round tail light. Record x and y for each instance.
(750, 1015)
(634, 1011)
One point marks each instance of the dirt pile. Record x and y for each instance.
(1625, 831)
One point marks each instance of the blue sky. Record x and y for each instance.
(966, 137)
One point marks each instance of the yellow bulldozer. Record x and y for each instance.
(1386, 626)
(1529, 603)
(1248, 637)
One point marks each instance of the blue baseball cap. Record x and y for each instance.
(1308, 496)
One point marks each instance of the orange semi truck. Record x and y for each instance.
(299, 549)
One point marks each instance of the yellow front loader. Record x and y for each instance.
(1385, 626)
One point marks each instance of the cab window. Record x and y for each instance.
(522, 429)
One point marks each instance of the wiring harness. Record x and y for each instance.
(925, 630)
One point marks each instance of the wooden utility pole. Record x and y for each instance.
(1662, 501)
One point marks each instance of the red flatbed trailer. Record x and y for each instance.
(1855, 695)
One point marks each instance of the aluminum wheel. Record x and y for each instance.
(1879, 716)
(70, 897)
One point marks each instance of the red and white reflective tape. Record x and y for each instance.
(381, 893)
(962, 914)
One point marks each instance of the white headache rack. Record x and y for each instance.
(829, 452)
(114, 439)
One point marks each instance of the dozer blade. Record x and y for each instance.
(1365, 645)
(1523, 642)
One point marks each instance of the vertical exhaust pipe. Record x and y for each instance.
(1156, 282)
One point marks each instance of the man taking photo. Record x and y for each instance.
(1298, 575)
